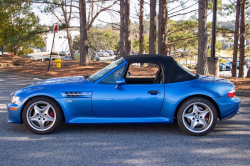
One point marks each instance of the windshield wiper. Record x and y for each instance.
(86, 77)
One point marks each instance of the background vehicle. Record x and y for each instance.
(9, 54)
(111, 53)
(104, 54)
(228, 67)
(230, 64)
(68, 57)
(247, 62)
(222, 67)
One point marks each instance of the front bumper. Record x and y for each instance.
(14, 111)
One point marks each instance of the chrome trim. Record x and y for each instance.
(75, 94)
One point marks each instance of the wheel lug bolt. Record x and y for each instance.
(197, 120)
(193, 118)
(200, 116)
(193, 113)
(38, 118)
(43, 118)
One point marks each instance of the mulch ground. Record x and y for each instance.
(71, 68)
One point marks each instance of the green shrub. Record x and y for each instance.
(54, 53)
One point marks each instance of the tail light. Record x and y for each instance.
(231, 93)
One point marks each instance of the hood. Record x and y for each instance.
(62, 80)
(55, 86)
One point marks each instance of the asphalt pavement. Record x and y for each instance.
(227, 144)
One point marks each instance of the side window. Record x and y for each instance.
(113, 77)
(145, 70)
(144, 73)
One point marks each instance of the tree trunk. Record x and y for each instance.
(236, 38)
(127, 28)
(152, 34)
(165, 39)
(70, 44)
(202, 41)
(2, 49)
(84, 58)
(15, 50)
(122, 29)
(163, 27)
(141, 38)
(242, 39)
(67, 21)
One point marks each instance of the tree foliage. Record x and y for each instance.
(99, 39)
(183, 34)
(19, 28)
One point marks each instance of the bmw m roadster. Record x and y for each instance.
(123, 93)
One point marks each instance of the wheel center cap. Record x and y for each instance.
(41, 116)
(196, 117)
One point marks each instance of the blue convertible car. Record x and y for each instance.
(124, 92)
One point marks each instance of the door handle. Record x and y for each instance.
(154, 91)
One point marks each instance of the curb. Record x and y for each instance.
(238, 92)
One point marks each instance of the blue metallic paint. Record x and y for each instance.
(118, 120)
(130, 104)
(129, 101)
(204, 86)
(228, 106)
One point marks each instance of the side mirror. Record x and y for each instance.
(119, 83)
(128, 74)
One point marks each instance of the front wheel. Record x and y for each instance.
(42, 115)
(197, 116)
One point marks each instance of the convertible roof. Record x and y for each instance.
(172, 71)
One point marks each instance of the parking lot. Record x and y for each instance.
(227, 144)
(229, 73)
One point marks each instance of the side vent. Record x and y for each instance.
(76, 94)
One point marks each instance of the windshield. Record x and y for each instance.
(105, 70)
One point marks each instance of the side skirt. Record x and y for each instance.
(118, 120)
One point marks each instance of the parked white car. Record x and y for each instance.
(110, 52)
(104, 54)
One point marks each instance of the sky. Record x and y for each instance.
(49, 19)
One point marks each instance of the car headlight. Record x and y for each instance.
(13, 98)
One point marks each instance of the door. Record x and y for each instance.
(140, 100)
(139, 97)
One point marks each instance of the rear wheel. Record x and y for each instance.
(42, 115)
(197, 116)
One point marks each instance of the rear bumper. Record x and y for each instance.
(229, 107)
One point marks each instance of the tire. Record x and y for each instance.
(42, 115)
(197, 116)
